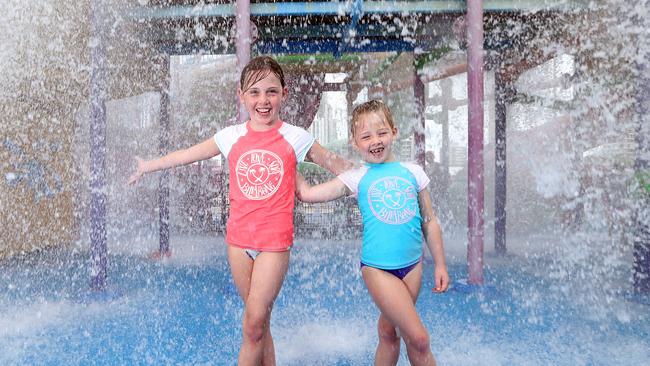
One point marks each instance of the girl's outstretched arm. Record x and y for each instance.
(327, 159)
(433, 235)
(323, 192)
(200, 151)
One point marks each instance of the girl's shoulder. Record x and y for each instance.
(353, 176)
(412, 166)
(356, 171)
(408, 165)
(233, 130)
(292, 132)
(298, 138)
(418, 172)
(412, 170)
(289, 128)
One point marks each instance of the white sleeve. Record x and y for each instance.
(227, 137)
(352, 177)
(298, 138)
(420, 175)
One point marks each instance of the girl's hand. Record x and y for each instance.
(441, 278)
(139, 171)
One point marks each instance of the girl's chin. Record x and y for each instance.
(264, 118)
(375, 159)
(260, 113)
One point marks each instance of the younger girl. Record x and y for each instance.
(396, 211)
(262, 157)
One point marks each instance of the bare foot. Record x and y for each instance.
(158, 255)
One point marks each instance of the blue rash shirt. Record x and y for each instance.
(387, 195)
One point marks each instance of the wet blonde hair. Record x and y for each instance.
(259, 68)
(376, 106)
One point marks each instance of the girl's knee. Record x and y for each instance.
(387, 332)
(255, 324)
(419, 342)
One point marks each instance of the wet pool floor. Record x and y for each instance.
(187, 312)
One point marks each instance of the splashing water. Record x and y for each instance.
(562, 295)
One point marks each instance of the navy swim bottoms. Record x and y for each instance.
(399, 272)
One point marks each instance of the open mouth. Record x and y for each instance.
(377, 151)
(263, 110)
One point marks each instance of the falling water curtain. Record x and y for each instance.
(305, 91)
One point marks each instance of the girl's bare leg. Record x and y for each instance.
(389, 343)
(396, 301)
(258, 283)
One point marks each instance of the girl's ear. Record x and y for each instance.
(240, 94)
(353, 143)
(285, 93)
(394, 131)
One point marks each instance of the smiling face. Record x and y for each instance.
(263, 100)
(373, 137)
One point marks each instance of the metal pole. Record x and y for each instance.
(500, 163)
(475, 141)
(349, 100)
(641, 250)
(445, 86)
(418, 134)
(163, 182)
(98, 91)
(243, 46)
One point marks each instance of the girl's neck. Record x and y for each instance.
(263, 126)
(389, 159)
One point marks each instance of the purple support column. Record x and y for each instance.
(98, 91)
(500, 163)
(445, 85)
(243, 46)
(349, 99)
(163, 183)
(418, 134)
(641, 251)
(475, 141)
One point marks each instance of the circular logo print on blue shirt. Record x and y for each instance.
(393, 200)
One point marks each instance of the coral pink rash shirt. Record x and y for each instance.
(262, 168)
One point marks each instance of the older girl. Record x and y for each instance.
(262, 154)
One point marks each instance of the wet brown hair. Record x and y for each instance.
(376, 106)
(259, 68)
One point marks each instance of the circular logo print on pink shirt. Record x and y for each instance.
(393, 200)
(259, 174)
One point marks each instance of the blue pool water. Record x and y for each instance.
(185, 311)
